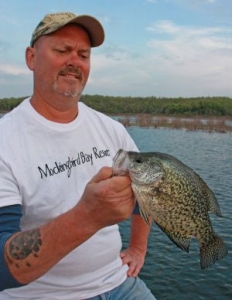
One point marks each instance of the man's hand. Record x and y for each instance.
(134, 255)
(134, 258)
(108, 200)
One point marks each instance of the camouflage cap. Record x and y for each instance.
(53, 22)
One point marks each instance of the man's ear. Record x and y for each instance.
(30, 57)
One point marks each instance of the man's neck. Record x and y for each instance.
(59, 114)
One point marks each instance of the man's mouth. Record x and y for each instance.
(70, 76)
(71, 73)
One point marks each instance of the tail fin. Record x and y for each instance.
(212, 252)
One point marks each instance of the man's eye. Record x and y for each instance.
(84, 56)
(61, 51)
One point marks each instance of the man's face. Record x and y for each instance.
(62, 62)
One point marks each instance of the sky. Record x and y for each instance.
(160, 48)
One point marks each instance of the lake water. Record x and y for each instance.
(170, 273)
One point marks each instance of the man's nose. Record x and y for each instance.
(74, 59)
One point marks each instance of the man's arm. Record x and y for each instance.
(106, 201)
(134, 255)
(9, 224)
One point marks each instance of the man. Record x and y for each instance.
(59, 204)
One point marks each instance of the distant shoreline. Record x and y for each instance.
(190, 123)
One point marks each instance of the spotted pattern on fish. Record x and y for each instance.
(176, 198)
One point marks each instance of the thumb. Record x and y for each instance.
(104, 173)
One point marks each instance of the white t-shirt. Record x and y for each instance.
(44, 166)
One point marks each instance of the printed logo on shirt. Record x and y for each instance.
(80, 159)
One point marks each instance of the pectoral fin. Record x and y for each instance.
(144, 214)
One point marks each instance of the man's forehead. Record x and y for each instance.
(70, 34)
(74, 29)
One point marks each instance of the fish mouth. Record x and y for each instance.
(120, 163)
(117, 155)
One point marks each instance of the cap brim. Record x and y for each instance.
(92, 26)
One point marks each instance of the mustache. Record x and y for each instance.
(72, 70)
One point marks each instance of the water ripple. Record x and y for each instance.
(169, 272)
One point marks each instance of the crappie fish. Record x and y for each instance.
(176, 198)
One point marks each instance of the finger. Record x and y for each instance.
(104, 173)
(136, 271)
(126, 260)
(120, 183)
(131, 270)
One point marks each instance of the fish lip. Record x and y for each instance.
(117, 155)
(120, 163)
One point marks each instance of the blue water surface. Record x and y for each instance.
(170, 273)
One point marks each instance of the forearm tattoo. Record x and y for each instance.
(23, 245)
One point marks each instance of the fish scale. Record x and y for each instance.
(176, 198)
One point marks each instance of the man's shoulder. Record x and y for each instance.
(99, 115)
(14, 113)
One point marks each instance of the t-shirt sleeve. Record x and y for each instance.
(9, 224)
(136, 209)
(9, 190)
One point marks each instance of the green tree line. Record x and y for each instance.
(7, 104)
(204, 106)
